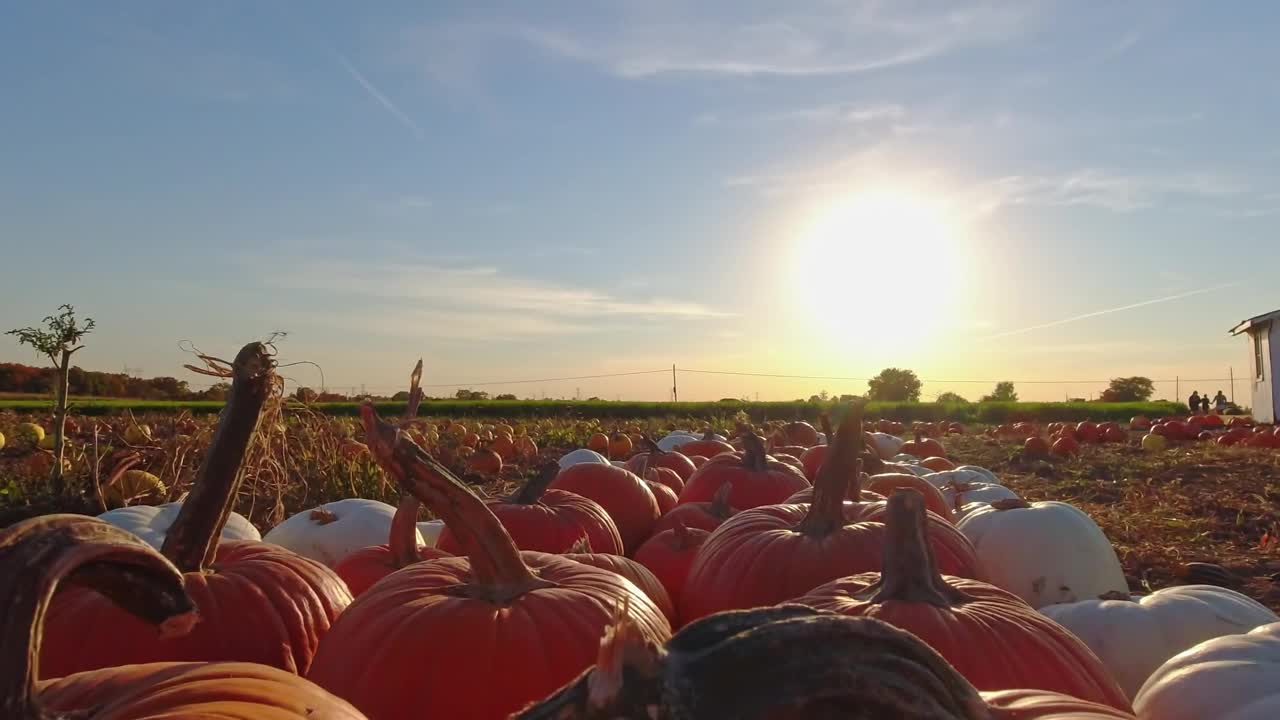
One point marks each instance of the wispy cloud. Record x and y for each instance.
(1119, 191)
(1109, 311)
(380, 97)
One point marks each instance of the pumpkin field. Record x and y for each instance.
(281, 561)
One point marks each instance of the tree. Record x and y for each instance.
(305, 395)
(952, 398)
(1128, 389)
(467, 394)
(59, 340)
(894, 385)
(505, 396)
(1004, 392)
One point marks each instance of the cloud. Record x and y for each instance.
(380, 97)
(1107, 189)
(467, 302)
(645, 38)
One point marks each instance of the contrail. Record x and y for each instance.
(377, 94)
(1108, 311)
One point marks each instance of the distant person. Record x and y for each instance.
(1193, 402)
(1204, 404)
(1219, 403)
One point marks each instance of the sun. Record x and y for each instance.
(895, 255)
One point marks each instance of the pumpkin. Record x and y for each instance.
(773, 553)
(993, 638)
(886, 445)
(1044, 552)
(526, 448)
(938, 464)
(755, 477)
(639, 575)
(669, 555)
(666, 498)
(131, 486)
(362, 568)
(599, 442)
(37, 555)
(923, 447)
(885, 483)
(702, 515)
(655, 475)
(505, 446)
(291, 599)
(1065, 446)
(548, 520)
(329, 532)
(489, 614)
(1234, 677)
(708, 446)
(674, 439)
(152, 522)
(727, 666)
(622, 494)
(656, 457)
(965, 497)
(800, 433)
(484, 461)
(620, 445)
(1134, 635)
(581, 456)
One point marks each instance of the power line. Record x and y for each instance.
(930, 380)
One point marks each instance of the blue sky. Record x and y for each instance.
(531, 190)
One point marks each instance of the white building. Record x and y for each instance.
(1264, 362)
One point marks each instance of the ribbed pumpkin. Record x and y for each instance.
(923, 447)
(36, 555)
(886, 483)
(639, 575)
(622, 494)
(702, 515)
(654, 456)
(756, 478)
(364, 567)
(774, 553)
(708, 446)
(548, 520)
(997, 641)
(292, 600)
(835, 668)
(669, 555)
(416, 643)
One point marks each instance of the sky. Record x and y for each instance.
(1032, 191)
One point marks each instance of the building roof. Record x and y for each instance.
(1253, 322)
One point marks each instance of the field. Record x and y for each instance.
(1194, 502)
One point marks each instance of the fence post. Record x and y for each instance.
(675, 397)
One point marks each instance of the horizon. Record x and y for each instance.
(977, 191)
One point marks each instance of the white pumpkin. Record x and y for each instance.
(675, 439)
(905, 459)
(887, 445)
(618, 463)
(965, 474)
(582, 455)
(152, 522)
(959, 495)
(334, 530)
(1134, 635)
(430, 531)
(1044, 552)
(979, 470)
(1235, 677)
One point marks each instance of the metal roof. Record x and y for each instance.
(1246, 325)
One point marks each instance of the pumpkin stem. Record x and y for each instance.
(37, 554)
(192, 540)
(1011, 504)
(403, 540)
(840, 467)
(535, 487)
(499, 573)
(719, 506)
(909, 572)
(415, 392)
(753, 452)
(651, 447)
(581, 546)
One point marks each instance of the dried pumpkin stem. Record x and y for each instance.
(535, 487)
(840, 468)
(38, 554)
(499, 573)
(753, 452)
(403, 539)
(909, 571)
(192, 541)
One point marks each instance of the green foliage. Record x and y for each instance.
(1004, 392)
(1128, 389)
(951, 398)
(894, 385)
(62, 333)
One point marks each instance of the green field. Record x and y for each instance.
(759, 411)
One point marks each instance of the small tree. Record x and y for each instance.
(1004, 392)
(306, 395)
(1128, 389)
(952, 398)
(59, 340)
(894, 385)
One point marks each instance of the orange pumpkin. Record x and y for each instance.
(600, 443)
(620, 446)
(484, 462)
(504, 445)
(938, 464)
(886, 483)
(526, 447)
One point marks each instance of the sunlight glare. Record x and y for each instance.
(894, 253)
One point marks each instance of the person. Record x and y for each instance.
(1219, 403)
(1204, 403)
(1193, 402)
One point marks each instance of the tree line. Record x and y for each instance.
(19, 378)
(899, 385)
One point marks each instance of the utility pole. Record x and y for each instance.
(675, 396)
(1231, 372)
(1177, 389)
